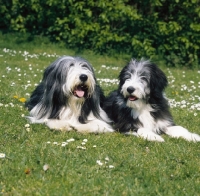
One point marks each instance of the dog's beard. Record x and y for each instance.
(74, 108)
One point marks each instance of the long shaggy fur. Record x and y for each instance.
(68, 97)
(139, 106)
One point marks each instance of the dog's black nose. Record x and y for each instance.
(130, 89)
(83, 77)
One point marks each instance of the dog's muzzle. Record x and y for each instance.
(81, 90)
(131, 97)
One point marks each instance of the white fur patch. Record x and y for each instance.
(148, 135)
(178, 131)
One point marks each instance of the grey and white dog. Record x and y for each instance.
(139, 106)
(69, 97)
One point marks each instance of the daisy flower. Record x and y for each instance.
(2, 155)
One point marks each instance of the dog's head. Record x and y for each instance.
(140, 80)
(70, 76)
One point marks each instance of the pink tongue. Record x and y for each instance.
(80, 93)
(132, 98)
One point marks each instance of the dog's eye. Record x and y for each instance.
(71, 65)
(84, 66)
(127, 77)
(144, 80)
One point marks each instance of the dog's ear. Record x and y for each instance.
(53, 97)
(123, 76)
(158, 80)
(53, 79)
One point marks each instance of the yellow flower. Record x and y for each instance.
(23, 100)
(16, 97)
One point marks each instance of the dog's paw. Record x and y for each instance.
(149, 135)
(178, 131)
(34, 120)
(58, 125)
(92, 127)
(195, 137)
(131, 133)
(103, 128)
(72, 127)
(106, 129)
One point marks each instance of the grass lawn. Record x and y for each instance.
(39, 162)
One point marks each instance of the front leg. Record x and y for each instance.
(149, 135)
(58, 124)
(178, 131)
(146, 134)
(93, 126)
(35, 120)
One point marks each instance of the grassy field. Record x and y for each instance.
(37, 161)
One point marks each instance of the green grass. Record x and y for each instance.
(140, 167)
